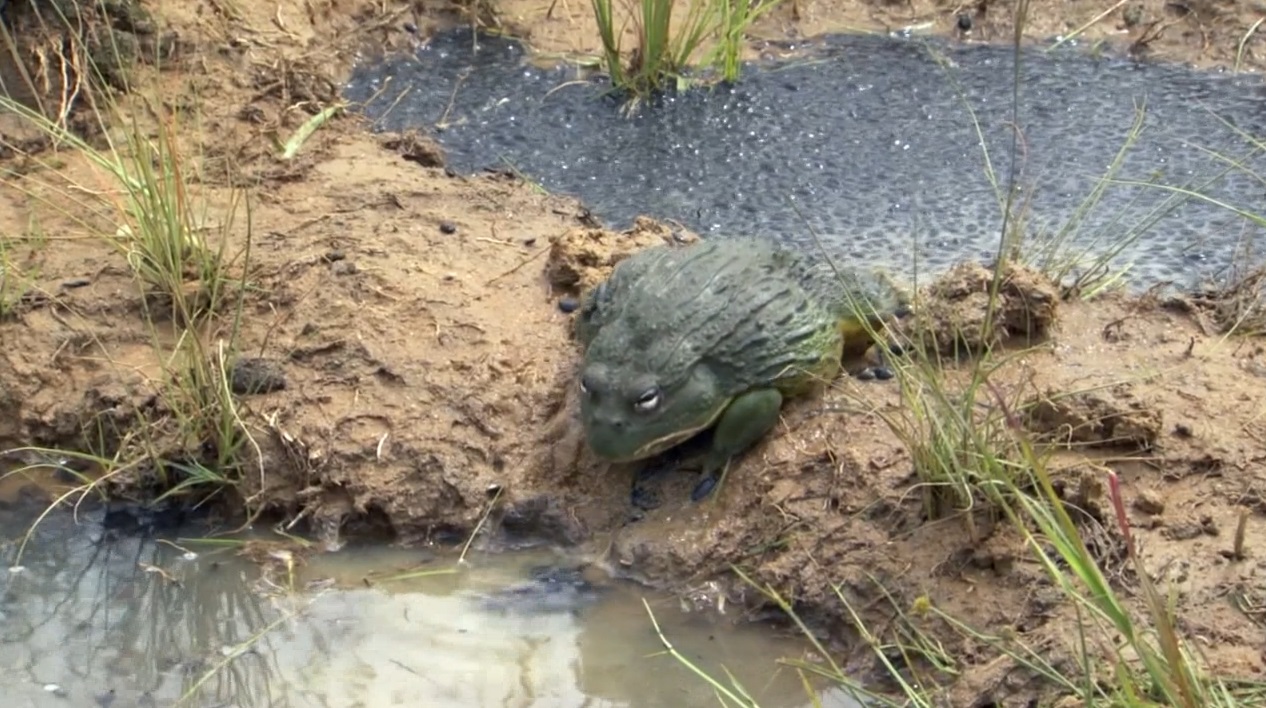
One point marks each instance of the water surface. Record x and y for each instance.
(101, 617)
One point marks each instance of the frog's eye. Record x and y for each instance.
(585, 388)
(648, 401)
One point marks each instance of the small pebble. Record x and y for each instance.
(333, 256)
(448, 227)
(1183, 430)
(77, 283)
(1149, 501)
(1133, 15)
(1209, 526)
(343, 268)
(568, 305)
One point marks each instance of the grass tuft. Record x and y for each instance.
(140, 204)
(664, 50)
(134, 187)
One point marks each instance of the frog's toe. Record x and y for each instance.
(642, 496)
(707, 483)
(874, 373)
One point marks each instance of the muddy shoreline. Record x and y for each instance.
(414, 318)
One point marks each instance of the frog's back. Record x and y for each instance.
(752, 311)
(856, 297)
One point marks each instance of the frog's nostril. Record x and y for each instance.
(611, 421)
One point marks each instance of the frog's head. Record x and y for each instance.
(630, 412)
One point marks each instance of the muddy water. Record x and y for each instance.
(97, 616)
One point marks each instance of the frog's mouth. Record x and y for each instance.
(654, 446)
(668, 442)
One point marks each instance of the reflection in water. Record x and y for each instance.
(132, 622)
(127, 621)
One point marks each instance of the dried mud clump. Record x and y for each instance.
(64, 54)
(581, 258)
(1111, 418)
(64, 44)
(414, 147)
(952, 312)
(1237, 305)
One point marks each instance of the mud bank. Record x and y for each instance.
(426, 368)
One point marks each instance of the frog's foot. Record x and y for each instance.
(642, 495)
(708, 481)
(881, 370)
(874, 373)
(747, 419)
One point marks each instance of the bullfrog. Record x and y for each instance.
(715, 336)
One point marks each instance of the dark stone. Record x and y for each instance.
(549, 588)
(131, 519)
(252, 375)
(540, 519)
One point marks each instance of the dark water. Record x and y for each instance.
(867, 140)
(96, 617)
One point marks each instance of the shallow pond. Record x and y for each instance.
(97, 616)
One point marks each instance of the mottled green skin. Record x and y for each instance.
(724, 330)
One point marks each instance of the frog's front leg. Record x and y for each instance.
(745, 421)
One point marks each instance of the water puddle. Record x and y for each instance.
(100, 618)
